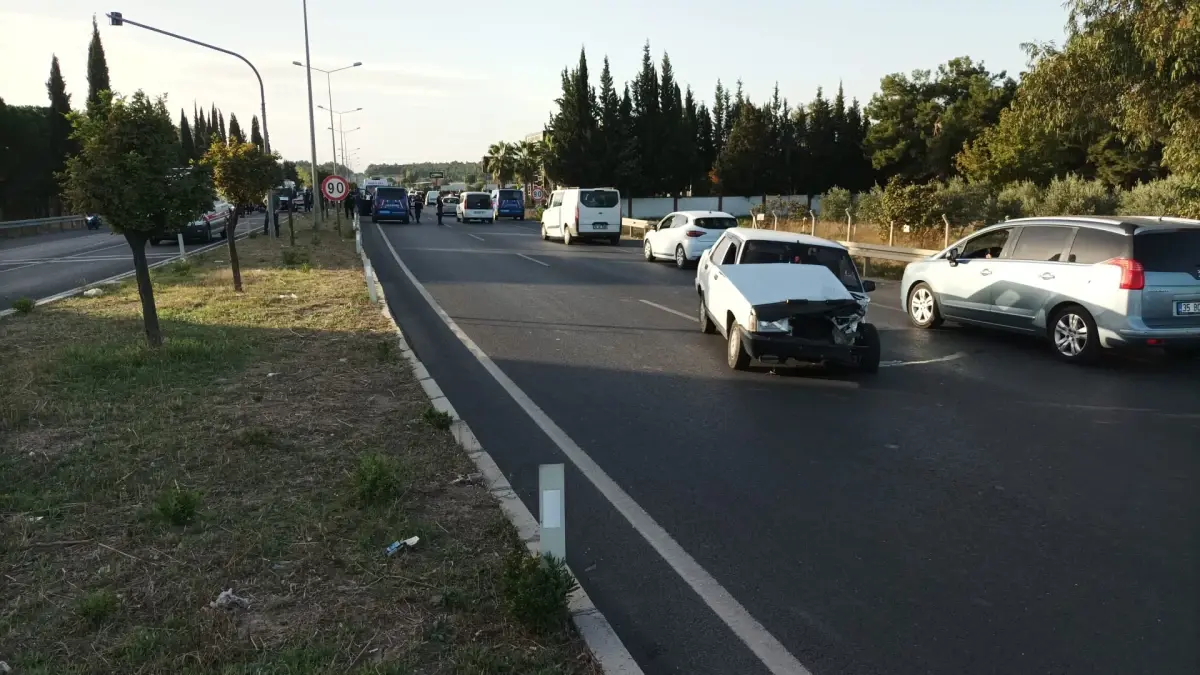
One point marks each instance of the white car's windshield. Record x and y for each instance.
(836, 260)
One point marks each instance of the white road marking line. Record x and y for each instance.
(777, 659)
(475, 237)
(522, 255)
(676, 312)
(941, 359)
(102, 258)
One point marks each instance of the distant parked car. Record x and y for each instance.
(683, 236)
(779, 296)
(93, 221)
(206, 227)
(1082, 283)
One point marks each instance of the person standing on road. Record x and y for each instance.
(416, 205)
(349, 206)
(439, 209)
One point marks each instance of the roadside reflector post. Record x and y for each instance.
(553, 511)
(849, 226)
(891, 232)
(947, 238)
(370, 275)
(813, 215)
(182, 250)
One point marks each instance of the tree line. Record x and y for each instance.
(35, 141)
(1115, 106)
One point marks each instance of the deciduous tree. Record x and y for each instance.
(242, 174)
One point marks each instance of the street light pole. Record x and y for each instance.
(118, 19)
(329, 85)
(312, 123)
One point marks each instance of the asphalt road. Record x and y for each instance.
(976, 507)
(45, 265)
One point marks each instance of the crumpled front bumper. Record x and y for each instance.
(781, 346)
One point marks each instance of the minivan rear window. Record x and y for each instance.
(1093, 246)
(599, 199)
(510, 194)
(479, 202)
(390, 193)
(1168, 251)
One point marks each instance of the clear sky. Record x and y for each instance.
(444, 83)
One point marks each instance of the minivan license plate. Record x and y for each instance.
(599, 226)
(1187, 308)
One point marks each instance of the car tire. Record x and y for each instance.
(615, 241)
(735, 353)
(1073, 335)
(491, 221)
(566, 235)
(404, 221)
(922, 309)
(545, 234)
(648, 251)
(868, 337)
(681, 261)
(706, 323)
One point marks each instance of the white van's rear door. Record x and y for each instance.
(599, 210)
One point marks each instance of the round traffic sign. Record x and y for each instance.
(537, 193)
(335, 188)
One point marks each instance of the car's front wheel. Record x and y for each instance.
(1074, 336)
(923, 310)
(735, 353)
(648, 251)
(868, 339)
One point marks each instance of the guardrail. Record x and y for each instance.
(32, 226)
(636, 227)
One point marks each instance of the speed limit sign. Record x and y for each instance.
(335, 188)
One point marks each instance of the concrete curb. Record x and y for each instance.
(596, 631)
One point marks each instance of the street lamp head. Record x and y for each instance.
(322, 107)
(115, 19)
(356, 64)
(297, 63)
(356, 110)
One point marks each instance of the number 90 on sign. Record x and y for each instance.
(335, 188)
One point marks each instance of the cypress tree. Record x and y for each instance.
(255, 135)
(221, 127)
(719, 112)
(646, 123)
(60, 107)
(187, 144)
(97, 68)
(611, 132)
(629, 162)
(669, 130)
(706, 152)
(235, 130)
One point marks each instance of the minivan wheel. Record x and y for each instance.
(648, 251)
(681, 260)
(1073, 335)
(735, 354)
(566, 235)
(923, 310)
(545, 235)
(868, 338)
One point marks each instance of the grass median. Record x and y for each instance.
(273, 447)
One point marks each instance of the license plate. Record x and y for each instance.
(599, 226)
(1187, 308)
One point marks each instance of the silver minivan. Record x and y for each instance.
(1084, 283)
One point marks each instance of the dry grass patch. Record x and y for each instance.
(274, 447)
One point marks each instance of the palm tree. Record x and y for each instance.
(500, 162)
(530, 156)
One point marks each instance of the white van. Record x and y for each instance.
(586, 213)
(474, 206)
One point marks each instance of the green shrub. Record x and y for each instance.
(294, 257)
(437, 419)
(868, 207)
(911, 204)
(178, 506)
(964, 203)
(24, 305)
(1019, 200)
(536, 590)
(1074, 196)
(1176, 195)
(377, 480)
(835, 203)
(97, 606)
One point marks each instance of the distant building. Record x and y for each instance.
(536, 138)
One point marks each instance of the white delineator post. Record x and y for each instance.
(552, 501)
(182, 250)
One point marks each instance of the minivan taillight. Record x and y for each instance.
(1133, 275)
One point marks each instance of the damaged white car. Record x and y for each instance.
(777, 296)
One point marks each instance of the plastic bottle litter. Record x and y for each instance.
(398, 545)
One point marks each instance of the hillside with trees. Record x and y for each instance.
(407, 174)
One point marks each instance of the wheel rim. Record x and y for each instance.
(649, 251)
(703, 312)
(734, 344)
(679, 257)
(921, 305)
(1070, 334)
